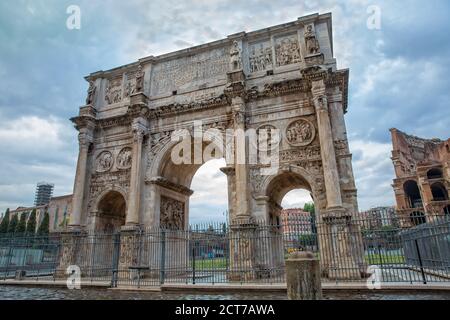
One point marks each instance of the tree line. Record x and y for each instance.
(25, 226)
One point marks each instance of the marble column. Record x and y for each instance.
(241, 170)
(85, 139)
(134, 199)
(328, 154)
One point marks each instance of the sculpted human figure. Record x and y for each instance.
(140, 79)
(312, 45)
(91, 93)
(235, 56)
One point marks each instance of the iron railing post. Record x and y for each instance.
(422, 271)
(115, 260)
(193, 264)
(162, 275)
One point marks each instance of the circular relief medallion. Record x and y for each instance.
(124, 158)
(104, 161)
(300, 132)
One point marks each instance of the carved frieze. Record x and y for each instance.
(104, 161)
(287, 50)
(300, 132)
(260, 57)
(113, 93)
(172, 214)
(124, 158)
(300, 154)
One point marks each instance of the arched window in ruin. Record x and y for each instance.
(439, 192)
(412, 194)
(434, 173)
(418, 218)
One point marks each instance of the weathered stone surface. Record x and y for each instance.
(303, 277)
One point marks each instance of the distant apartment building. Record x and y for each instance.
(377, 218)
(422, 182)
(44, 192)
(295, 222)
(58, 208)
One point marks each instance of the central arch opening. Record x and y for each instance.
(209, 202)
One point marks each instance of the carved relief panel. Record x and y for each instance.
(113, 93)
(172, 214)
(104, 161)
(124, 158)
(260, 56)
(130, 85)
(287, 50)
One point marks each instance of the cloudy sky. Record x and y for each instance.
(398, 78)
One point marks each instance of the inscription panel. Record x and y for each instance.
(189, 71)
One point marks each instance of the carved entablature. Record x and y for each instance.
(113, 93)
(260, 57)
(172, 215)
(287, 50)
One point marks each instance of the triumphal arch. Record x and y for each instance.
(283, 79)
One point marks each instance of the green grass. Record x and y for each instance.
(214, 263)
(384, 258)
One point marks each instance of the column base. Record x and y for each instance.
(242, 249)
(70, 243)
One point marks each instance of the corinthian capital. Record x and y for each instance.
(85, 139)
(139, 131)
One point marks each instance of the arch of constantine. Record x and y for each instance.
(282, 79)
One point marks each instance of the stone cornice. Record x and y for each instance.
(177, 108)
(163, 182)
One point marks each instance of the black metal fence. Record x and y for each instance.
(350, 250)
